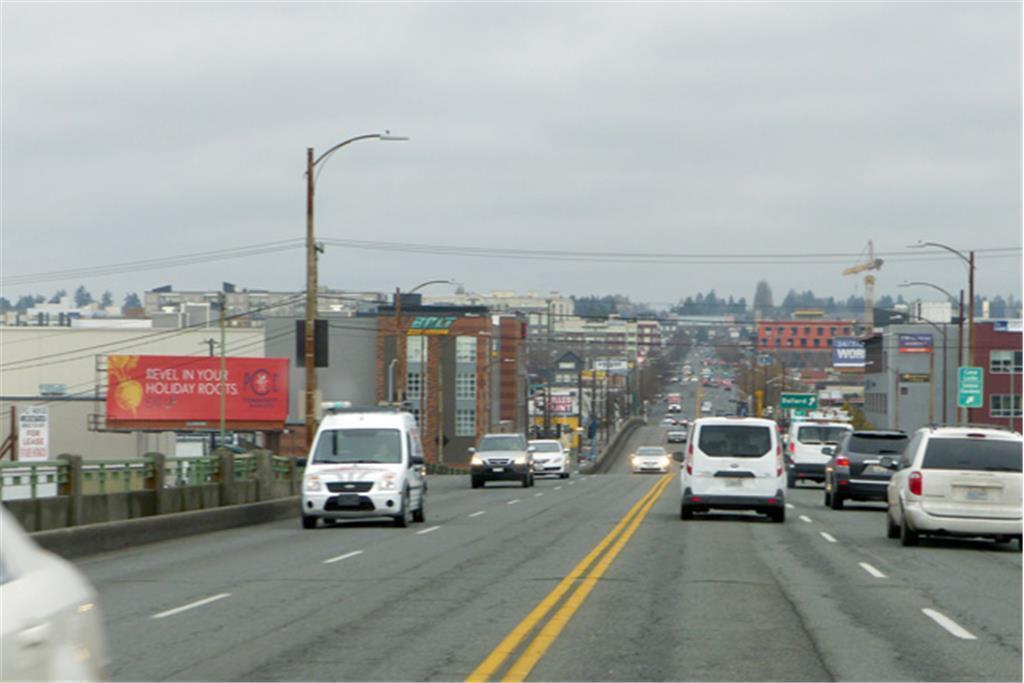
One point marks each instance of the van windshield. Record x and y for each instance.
(359, 445)
(737, 441)
(832, 435)
(989, 455)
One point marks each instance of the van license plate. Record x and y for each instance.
(348, 500)
(733, 481)
(976, 494)
(497, 469)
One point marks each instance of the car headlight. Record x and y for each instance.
(520, 459)
(476, 460)
(388, 482)
(311, 484)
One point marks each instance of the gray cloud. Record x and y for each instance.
(132, 131)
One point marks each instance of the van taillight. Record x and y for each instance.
(842, 461)
(778, 460)
(792, 447)
(689, 467)
(915, 483)
(689, 449)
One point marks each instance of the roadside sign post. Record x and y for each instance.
(970, 383)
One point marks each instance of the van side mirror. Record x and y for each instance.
(416, 461)
(300, 462)
(472, 449)
(828, 450)
(679, 456)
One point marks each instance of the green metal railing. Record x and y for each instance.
(280, 467)
(32, 474)
(116, 476)
(191, 471)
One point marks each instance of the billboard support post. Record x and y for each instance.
(223, 372)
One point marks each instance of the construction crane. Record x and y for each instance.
(869, 285)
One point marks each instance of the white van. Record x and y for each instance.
(733, 464)
(806, 438)
(365, 462)
(957, 481)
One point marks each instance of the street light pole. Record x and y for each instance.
(311, 274)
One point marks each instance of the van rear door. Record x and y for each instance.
(973, 477)
(735, 460)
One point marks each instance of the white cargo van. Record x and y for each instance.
(804, 456)
(365, 462)
(733, 464)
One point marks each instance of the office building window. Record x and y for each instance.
(416, 415)
(821, 330)
(465, 349)
(1004, 405)
(416, 349)
(764, 341)
(803, 342)
(465, 386)
(817, 342)
(1004, 362)
(465, 422)
(413, 386)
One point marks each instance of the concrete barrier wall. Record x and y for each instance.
(89, 539)
(607, 455)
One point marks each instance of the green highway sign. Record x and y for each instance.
(805, 401)
(970, 382)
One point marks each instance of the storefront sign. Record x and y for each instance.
(431, 324)
(915, 343)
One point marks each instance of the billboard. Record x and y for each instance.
(34, 433)
(915, 343)
(563, 402)
(848, 352)
(613, 366)
(182, 392)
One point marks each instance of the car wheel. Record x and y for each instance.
(475, 482)
(420, 515)
(790, 479)
(308, 522)
(526, 481)
(564, 475)
(777, 515)
(685, 512)
(891, 530)
(1020, 544)
(402, 518)
(828, 497)
(837, 501)
(907, 535)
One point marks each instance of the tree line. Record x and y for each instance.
(81, 298)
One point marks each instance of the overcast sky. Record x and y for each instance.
(137, 131)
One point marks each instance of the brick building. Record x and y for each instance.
(801, 335)
(997, 349)
(464, 373)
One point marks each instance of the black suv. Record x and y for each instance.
(855, 471)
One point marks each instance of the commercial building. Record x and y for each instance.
(801, 334)
(460, 370)
(997, 350)
(540, 310)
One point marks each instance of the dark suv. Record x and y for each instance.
(855, 471)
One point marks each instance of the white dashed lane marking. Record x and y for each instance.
(828, 537)
(339, 558)
(871, 570)
(948, 624)
(191, 605)
(428, 530)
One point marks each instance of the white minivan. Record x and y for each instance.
(733, 464)
(365, 462)
(959, 481)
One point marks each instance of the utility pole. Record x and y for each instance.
(311, 292)
(223, 372)
(961, 412)
(399, 350)
(970, 310)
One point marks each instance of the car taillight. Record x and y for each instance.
(842, 461)
(689, 467)
(778, 460)
(915, 483)
(792, 447)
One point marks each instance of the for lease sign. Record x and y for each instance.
(188, 388)
(34, 433)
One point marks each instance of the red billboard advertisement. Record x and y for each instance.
(179, 392)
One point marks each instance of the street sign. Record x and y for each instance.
(970, 383)
(764, 360)
(804, 401)
(34, 433)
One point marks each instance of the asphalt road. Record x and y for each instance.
(723, 597)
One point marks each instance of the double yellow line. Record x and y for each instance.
(617, 539)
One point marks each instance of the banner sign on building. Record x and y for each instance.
(1007, 326)
(431, 324)
(34, 433)
(848, 352)
(562, 402)
(915, 343)
(180, 392)
(613, 366)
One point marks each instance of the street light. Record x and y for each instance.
(969, 260)
(311, 274)
(960, 334)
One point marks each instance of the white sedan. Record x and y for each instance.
(51, 628)
(550, 457)
(650, 459)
